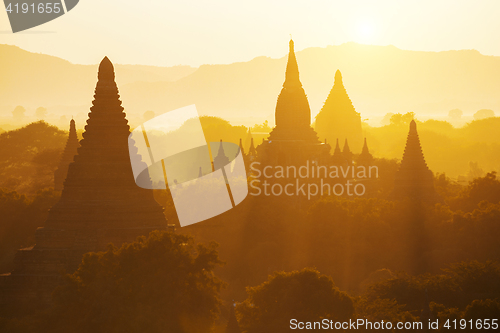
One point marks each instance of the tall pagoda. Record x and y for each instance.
(338, 118)
(292, 139)
(414, 178)
(100, 203)
(69, 153)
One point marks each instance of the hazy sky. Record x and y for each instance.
(167, 32)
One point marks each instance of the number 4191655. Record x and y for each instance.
(41, 8)
(479, 324)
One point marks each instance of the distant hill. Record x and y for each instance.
(379, 79)
(34, 80)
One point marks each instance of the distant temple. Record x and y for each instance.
(67, 157)
(338, 118)
(292, 139)
(365, 158)
(100, 204)
(221, 159)
(414, 179)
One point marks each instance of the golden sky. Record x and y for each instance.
(167, 33)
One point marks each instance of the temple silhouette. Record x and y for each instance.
(69, 153)
(414, 178)
(338, 119)
(100, 202)
(292, 140)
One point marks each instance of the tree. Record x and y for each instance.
(455, 114)
(483, 114)
(163, 283)
(41, 112)
(304, 295)
(387, 119)
(402, 119)
(18, 113)
(265, 128)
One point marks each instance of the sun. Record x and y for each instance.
(365, 31)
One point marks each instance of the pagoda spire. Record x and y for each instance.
(293, 114)
(365, 157)
(413, 157)
(241, 148)
(69, 153)
(99, 204)
(252, 150)
(337, 154)
(221, 159)
(414, 178)
(346, 153)
(102, 172)
(338, 118)
(292, 69)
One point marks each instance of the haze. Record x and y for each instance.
(167, 33)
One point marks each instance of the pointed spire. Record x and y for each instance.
(221, 159)
(338, 79)
(346, 153)
(413, 157)
(414, 178)
(292, 69)
(252, 150)
(337, 155)
(346, 147)
(69, 153)
(365, 148)
(221, 152)
(241, 147)
(365, 158)
(106, 70)
(338, 118)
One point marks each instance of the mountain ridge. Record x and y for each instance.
(379, 79)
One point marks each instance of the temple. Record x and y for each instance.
(365, 158)
(338, 118)
(293, 139)
(100, 204)
(414, 179)
(221, 159)
(69, 153)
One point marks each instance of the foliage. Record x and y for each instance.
(20, 218)
(262, 128)
(304, 295)
(163, 283)
(29, 156)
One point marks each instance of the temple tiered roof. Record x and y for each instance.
(338, 118)
(293, 114)
(414, 178)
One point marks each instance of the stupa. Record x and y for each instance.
(292, 140)
(414, 179)
(338, 118)
(100, 203)
(365, 158)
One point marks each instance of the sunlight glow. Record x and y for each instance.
(365, 31)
